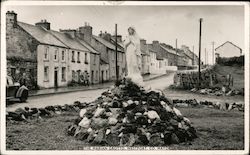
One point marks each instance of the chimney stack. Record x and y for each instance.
(86, 32)
(44, 24)
(70, 32)
(11, 19)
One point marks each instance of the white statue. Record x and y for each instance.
(133, 57)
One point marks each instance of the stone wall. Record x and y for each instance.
(189, 80)
(21, 52)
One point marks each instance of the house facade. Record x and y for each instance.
(145, 57)
(103, 44)
(153, 67)
(34, 54)
(78, 55)
(228, 49)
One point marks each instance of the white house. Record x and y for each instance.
(228, 49)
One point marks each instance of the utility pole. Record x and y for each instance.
(116, 54)
(193, 56)
(205, 56)
(199, 78)
(176, 52)
(213, 62)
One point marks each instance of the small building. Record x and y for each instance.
(104, 71)
(107, 50)
(192, 58)
(78, 55)
(35, 54)
(85, 36)
(153, 61)
(228, 49)
(145, 56)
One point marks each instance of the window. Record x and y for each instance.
(78, 75)
(94, 59)
(55, 54)
(78, 57)
(73, 56)
(86, 58)
(63, 55)
(46, 53)
(46, 73)
(96, 75)
(63, 73)
(73, 75)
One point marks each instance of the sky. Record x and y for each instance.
(162, 23)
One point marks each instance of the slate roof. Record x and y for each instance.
(90, 48)
(150, 48)
(41, 34)
(172, 51)
(68, 41)
(106, 43)
(119, 43)
(103, 62)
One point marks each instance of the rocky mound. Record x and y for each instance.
(127, 115)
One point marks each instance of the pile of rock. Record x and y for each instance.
(127, 115)
(27, 113)
(218, 91)
(217, 105)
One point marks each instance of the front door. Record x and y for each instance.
(102, 76)
(92, 77)
(56, 78)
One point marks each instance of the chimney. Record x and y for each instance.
(143, 41)
(70, 32)
(86, 32)
(44, 24)
(119, 38)
(155, 42)
(11, 19)
(106, 36)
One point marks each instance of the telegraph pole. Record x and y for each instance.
(116, 54)
(205, 56)
(213, 52)
(176, 52)
(199, 78)
(193, 55)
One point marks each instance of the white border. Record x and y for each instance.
(127, 3)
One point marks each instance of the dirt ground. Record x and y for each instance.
(217, 130)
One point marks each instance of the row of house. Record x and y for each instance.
(47, 58)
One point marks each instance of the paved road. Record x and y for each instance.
(83, 96)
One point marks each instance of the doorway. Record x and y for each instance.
(56, 77)
(92, 77)
(102, 76)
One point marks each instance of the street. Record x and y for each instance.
(82, 96)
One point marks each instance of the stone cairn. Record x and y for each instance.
(128, 115)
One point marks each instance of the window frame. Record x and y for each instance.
(72, 56)
(78, 57)
(86, 58)
(46, 77)
(55, 56)
(63, 55)
(63, 74)
(46, 52)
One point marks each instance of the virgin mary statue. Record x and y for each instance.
(133, 57)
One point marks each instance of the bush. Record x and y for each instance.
(231, 61)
